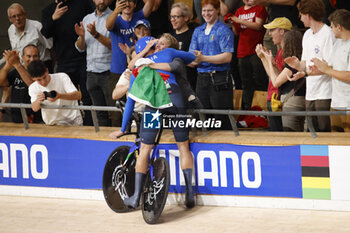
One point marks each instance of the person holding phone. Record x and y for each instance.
(58, 20)
(121, 24)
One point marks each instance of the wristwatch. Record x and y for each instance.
(97, 35)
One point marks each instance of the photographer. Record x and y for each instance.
(53, 89)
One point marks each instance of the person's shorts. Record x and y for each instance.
(178, 111)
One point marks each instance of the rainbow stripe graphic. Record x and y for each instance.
(315, 172)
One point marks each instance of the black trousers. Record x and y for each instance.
(214, 94)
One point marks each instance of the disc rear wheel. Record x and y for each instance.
(118, 181)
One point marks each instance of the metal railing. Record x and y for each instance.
(201, 112)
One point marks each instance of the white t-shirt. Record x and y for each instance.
(340, 60)
(61, 83)
(318, 45)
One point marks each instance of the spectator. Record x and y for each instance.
(292, 93)
(180, 15)
(97, 44)
(212, 42)
(248, 25)
(19, 80)
(277, 28)
(142, 29)
(58, 20)
(25, 31)
(62, 92)
(121, 23)
(338, 68)
(317, 43)
(277, 9)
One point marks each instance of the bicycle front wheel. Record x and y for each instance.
(156, 190)
(118, 181)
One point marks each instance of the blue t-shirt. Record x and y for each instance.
(167, 55)
(219, 40)
(122, 33)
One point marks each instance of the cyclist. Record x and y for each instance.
(145, 48)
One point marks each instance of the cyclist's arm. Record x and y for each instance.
(129, 108)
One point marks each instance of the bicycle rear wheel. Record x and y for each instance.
(118, 182)
(156, 190)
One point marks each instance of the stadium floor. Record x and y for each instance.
(33, 214)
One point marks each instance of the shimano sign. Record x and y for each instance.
(221, 169)
(31, 159)
(239, 170)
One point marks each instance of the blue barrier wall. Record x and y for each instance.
(219, 168)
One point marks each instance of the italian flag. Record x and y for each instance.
(149, 89)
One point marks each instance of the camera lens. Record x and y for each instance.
(51, 94)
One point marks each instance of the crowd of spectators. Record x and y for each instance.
(284, 47)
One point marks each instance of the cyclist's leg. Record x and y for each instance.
(141, 169)
(181, 137)
(147, 141)
(186, 163)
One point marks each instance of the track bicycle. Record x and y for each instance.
(119, 177)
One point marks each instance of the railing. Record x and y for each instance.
(201, 112)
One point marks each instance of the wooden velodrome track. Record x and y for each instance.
(33, 214)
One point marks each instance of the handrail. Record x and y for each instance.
(201, 112)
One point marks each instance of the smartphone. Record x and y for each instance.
(64, 3)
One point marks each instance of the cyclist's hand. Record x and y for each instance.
(116, 134)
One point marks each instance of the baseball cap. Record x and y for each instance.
(281, 22)
(143, 22)
(141, 43)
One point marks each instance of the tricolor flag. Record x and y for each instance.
(149, 89)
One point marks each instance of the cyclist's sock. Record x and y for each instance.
(134, 200)
(189, 201)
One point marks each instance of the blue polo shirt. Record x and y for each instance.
(219, 40)
(122, 33)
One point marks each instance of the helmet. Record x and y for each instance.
(141, 43)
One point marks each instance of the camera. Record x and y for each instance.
(50, 94)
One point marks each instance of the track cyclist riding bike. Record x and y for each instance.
(145, 48)
(119, 175)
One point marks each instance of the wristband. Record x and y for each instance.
(294, 71)
(97, 35)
